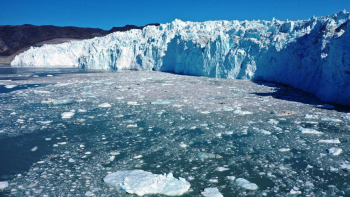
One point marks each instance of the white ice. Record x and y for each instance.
(334, 151)
(3, 184)
(141, 183)
(246, 184)
(211, 192)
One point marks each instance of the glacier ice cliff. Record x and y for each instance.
(312, 55)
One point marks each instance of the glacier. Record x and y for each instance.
(311, 55)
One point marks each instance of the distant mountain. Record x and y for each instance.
(15, 38)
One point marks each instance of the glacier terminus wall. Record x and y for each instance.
(312, 55)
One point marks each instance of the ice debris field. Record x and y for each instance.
(70, 132)
(311, 55)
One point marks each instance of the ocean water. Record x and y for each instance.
(63, 130)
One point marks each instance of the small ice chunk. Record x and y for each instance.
(220, 169)
(284, 149)
(88, 153)
(345, 166)
(34, 149)
(265, 132)
(332, 141)
(71, 160)
(114, 153)
(131, 126)
(67, 115)
(160, 102)
(112, 158)
(213, 180)
(138, 157)
(231, 178)
(334, 151)
(56, 102)
(331, 119)
(104, 105)
(272, 121)
(346, 117)
(82, 110)
(183, 145)
(307, 116)
(325, 106)
(132, 103)
(89, 193)
(3, 184)
(208, 156)
(246, 184)
(294, 192)
(211, 192)
(45, 122)
(239, 112)
(141, 183)
(10, 86)
(309, 131)
(41, 92)
(284, 167)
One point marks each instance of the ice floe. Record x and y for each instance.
(211, 192)
(3, 185)
(246, 184)
(141, 183)
(331, 141)
(309, 131)
(334, 151)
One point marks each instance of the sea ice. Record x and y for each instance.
(332, 141)
(67, 115)
(284, 149)
(246, 184)
(307, 116)
(242, 112)
(3, 184)
(309, 131)
(220, 169)
(334, 151)
(141, 183)
(104, 105)
(10, 86)
(325, 106)
(211, 192)
(331, 119)
(272, 121)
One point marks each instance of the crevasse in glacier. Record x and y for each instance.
(311, 55)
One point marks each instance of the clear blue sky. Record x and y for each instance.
(108, 13)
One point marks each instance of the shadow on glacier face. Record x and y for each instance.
(309, 65)
(185, 58)
(288, 93)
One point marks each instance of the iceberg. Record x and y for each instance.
(141, 183)
(311, 55)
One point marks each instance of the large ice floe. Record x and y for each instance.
(141, 182)
(311, 55)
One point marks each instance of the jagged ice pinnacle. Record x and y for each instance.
(312, 55)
